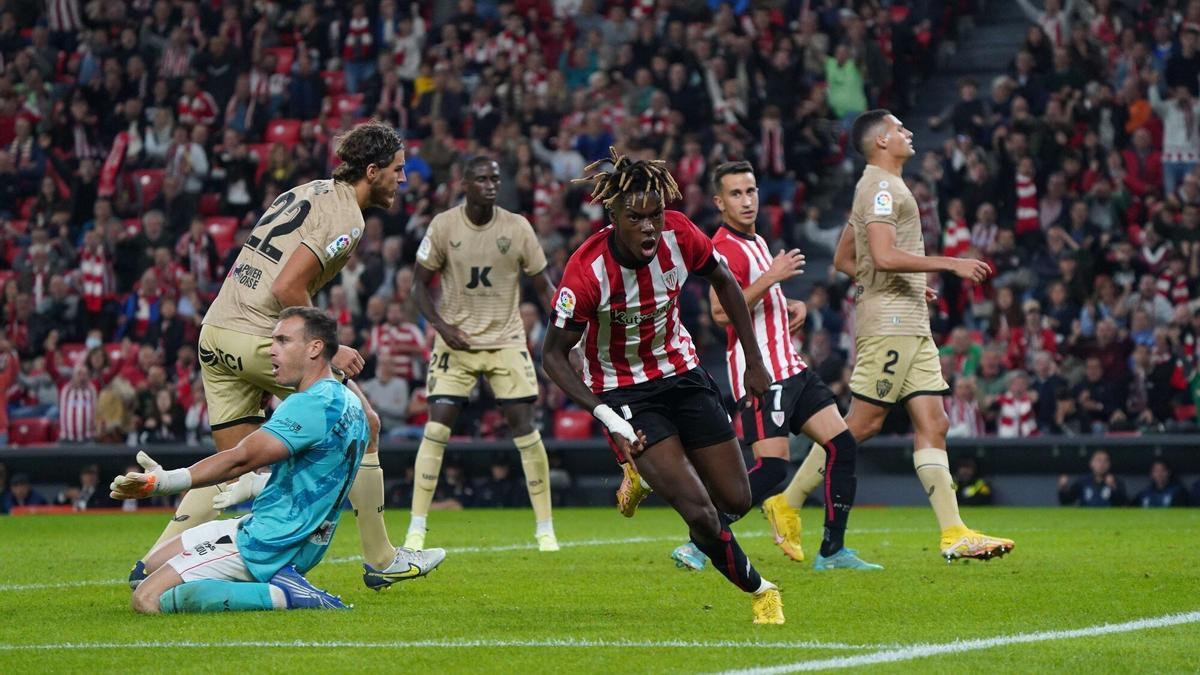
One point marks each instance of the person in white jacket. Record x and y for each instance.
(1181, 131)
(1055, 19)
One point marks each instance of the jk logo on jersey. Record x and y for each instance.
(503, 243)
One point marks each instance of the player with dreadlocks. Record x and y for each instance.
(641, 375)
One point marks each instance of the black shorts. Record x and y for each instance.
(688, 406)
(786, 407)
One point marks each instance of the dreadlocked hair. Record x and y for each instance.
(629, 177)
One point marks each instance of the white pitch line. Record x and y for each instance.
(457, 551)
(565, 643)
(919, 651)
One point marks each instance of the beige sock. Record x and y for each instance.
(427, 468)
(194, 509)
(537, 473)
(809, 477)
(933, 468)
(366, 496)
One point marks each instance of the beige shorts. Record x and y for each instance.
(892, 369)
(453, 374)
(236, 369)
(210, 552)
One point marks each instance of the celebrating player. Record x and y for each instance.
(797, 400)
(314, 441)
(642, 378)
(897, 361)
(481, 251)
(300, 244)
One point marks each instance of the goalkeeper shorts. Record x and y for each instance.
(210, 552)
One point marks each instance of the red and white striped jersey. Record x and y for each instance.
(1016, 417)
(630, 315)
(395, 343)
(77, 413)
(748, 259)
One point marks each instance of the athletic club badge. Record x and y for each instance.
(671, 278)
(777, 417)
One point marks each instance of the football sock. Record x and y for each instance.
(729, 559)
(194, 509)
(840, 486)
(427, 468)
(933, 468)
(537, 473)
(809, 477)
(366, 496)
(213, 595)
(765, 476)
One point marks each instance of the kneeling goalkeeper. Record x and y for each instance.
(315, 441)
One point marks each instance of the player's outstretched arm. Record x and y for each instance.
(556, 361)
(787, 264)
(734, 303)
(845, 259)
(257, 450)
(453, 335)
(881, 239)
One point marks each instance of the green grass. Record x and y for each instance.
(1071, 569)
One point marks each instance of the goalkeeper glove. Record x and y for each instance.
(156, 481)
(246, 488)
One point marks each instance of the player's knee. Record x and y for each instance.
(145, 601)
(740, 503)
(937, 426)
(437, 432)
(702, 521)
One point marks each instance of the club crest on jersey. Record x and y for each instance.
(883, 203)
(777, 417)
(671, 278)
(503, 243)
(338, 245)
(566, 302)
(882, 387)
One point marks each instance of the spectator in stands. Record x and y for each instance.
(454, 492)
(1164, 489)
(389, 395)
(1046, 384)
(1016, 418)
(500, 489)
(88, 493)
(142, 308)
(962, 409)
(20, 494)
(166, 420)
(77, 408)
(1099, 488)
(973, 489)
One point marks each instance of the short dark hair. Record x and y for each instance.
(728, 169)
(368, 143)
(864, 124)
(477, 160)
(317, 326)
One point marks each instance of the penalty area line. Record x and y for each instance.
(919, 651)
(558, 643)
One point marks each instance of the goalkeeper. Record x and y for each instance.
(315, 441)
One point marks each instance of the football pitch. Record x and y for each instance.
(1101, 591)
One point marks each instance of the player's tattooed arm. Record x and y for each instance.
(734, 303)
(453, 335)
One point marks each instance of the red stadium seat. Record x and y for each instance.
(1185, 413)
(573, 425)
(31, 431)
(223, 229)
(259, 151)
(25, 210)
(73, 354)
(284, 57)
(148, 183)
(6, 276)
(335, 81)
(286, 131)
(344, 103)
(19, 226)
(210, 204)
(133, 226)
(114, 351)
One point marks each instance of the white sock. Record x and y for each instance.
(544, 527)
(417, 524)
(764, 586)
(278, 599)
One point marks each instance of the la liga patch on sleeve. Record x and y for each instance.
(565, 305)
(883, 203)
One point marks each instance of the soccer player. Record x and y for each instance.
(797, 400)
(641, 375)
(299, 245)
(897, 361)
(315, 442)
(481, 252)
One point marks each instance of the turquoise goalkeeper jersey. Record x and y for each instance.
(293, 520)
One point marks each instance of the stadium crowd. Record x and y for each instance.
(140, 141)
